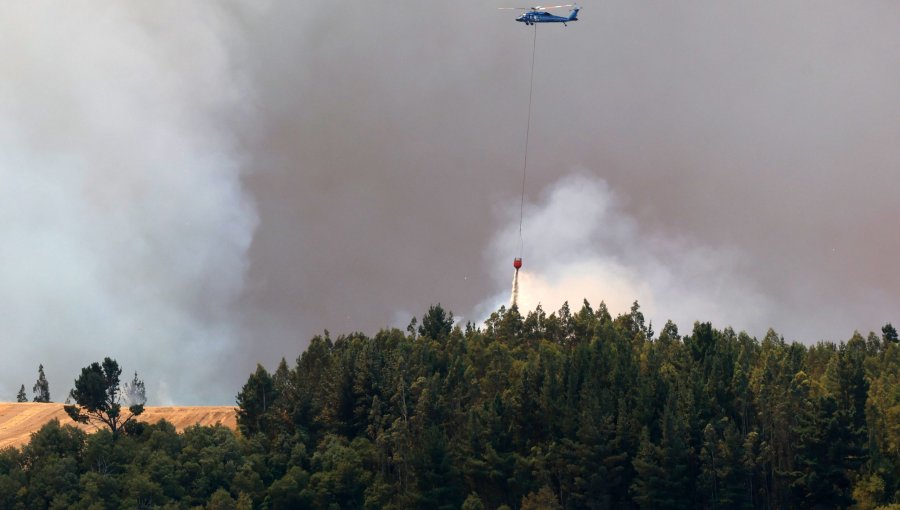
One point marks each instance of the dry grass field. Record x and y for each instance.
(19, 420)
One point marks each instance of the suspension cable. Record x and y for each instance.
(527, 135)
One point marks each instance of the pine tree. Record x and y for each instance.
(889, 333)
(827, 451)
(439, 483)
(134, 392)
(649, 489)
(41, 388)
(254, 402)
(722, 474)
(21, 396)
(437, 323)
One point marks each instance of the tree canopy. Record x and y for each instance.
(99, 397)
(574, 409)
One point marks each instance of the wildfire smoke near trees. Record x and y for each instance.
(572, 409)
(199, 190)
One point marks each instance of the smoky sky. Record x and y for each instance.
(197, 189)
(125, 222)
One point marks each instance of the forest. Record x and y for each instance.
(566, 410)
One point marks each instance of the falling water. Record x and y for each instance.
(515, 289)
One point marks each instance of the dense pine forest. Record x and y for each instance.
(563, 410)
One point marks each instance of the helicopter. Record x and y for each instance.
(537, 14)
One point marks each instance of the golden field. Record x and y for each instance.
(19, 420)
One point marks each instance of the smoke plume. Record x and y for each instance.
(763, 132)
(125, 226)
(580, 244)
(739, 165)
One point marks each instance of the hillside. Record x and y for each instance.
(19, 420)
(575, 410)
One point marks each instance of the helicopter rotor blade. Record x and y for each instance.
(536, 7)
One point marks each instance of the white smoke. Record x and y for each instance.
(581, 244)
(125, 226)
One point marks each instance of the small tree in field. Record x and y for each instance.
(41, 388)
(99, 397)
(21, 396)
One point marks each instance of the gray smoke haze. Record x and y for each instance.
(585, 246)
(125, 224)
(756, 142)
(734, 162)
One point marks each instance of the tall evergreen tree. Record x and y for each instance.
(254, 402)
(41, 388)
(889, 333)
(21, 396)
(437, 323)
(827, 453)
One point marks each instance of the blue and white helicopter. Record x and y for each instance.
(538, 14)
